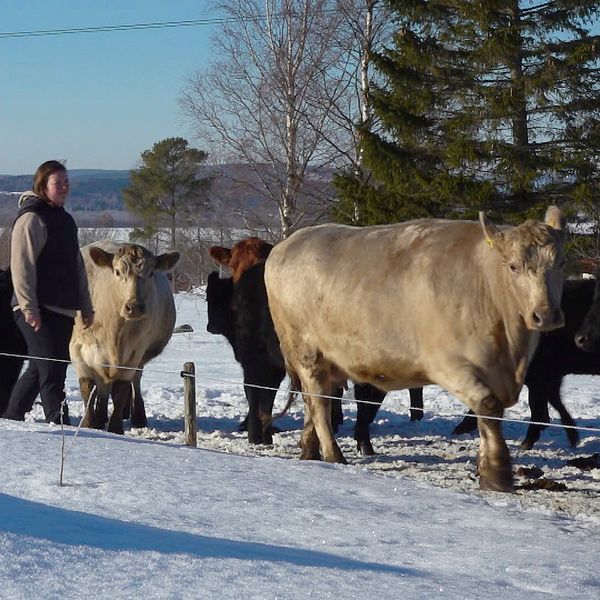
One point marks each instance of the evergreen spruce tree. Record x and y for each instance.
(489, 105)
(167, 187)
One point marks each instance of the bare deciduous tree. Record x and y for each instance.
(264, 101)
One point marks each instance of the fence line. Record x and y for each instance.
(328, 397)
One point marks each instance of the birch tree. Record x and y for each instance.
(263, 103)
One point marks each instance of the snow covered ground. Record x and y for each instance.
(142, 516)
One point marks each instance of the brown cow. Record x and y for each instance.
(455, 303)
(134, 315)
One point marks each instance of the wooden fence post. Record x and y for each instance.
(189, 398)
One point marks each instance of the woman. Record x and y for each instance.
(50, 285)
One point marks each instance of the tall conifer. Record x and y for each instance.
(485, 105)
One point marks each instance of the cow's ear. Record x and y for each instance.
(555, 218)
(492, 234)
(101, 257)
(166, 262)
(220, 255)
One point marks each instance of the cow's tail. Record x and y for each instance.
(295, 388)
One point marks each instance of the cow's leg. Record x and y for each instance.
(268, 377)
(368, 401)
(253, 394)
(101, 409)
(494, 465)
(86, 388)
(309, 442)
(272, 378)
(320, 416)
(120, 392)
(320, 409)
(137, 407)
(315, 374)
(96, 395)
(337, 415)
(538, 408)
(416, 403)
(467, 425)
(566, 419)
(265, 416)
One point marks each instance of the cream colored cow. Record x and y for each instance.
(454, 303)
(134, 316)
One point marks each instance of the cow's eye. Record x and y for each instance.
(513, 268)
(117, 273)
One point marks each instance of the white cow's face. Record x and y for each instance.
(133, 269)
(533, 257)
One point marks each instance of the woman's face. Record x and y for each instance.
(57, 188)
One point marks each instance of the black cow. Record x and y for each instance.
(11, 342)
(240, 312)
(558, 355)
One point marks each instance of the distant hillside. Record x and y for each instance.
(91, 189)
(237, 197)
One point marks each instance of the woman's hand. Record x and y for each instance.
(34, 319)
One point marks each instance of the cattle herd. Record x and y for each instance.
(477, 309)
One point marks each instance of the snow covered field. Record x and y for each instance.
(142, 516)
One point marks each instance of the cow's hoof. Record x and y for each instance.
(416, 415)
(497, 482)
(309, 456)
(116, 428)
(139, 422)
(527, 444)
(366, 449)
(573, 437)
(467, 425)
(335, 456)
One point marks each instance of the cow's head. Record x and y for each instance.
(587, 337)
(133, 268)
(242, 255)
(533, 259)
(219, 294)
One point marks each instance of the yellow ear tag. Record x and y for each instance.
(489, 242)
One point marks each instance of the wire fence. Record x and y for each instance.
(198, 380)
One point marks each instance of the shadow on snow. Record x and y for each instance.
(62, 526)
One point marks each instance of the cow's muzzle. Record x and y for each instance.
(546, 319)
(134, 310)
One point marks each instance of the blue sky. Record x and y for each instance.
(97, 100)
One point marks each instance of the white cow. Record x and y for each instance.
(134, 316)
(456, 303)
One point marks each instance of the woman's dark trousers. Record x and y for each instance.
(43, 377)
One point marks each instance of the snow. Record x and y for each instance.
(144, 516)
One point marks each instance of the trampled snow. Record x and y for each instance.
(144, 516)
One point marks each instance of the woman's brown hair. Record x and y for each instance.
(40, 179)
